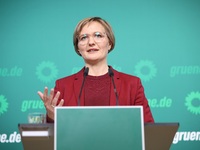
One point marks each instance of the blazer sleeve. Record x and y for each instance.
(140, 99)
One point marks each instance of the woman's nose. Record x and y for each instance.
(91, 40)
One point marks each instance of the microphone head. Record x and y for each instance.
(110, 72)
(86, 71)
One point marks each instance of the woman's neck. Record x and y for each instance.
(97, 70)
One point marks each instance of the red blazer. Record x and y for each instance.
(129, 88)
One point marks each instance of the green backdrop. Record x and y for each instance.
(157, 40)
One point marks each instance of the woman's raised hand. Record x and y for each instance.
(50, 101)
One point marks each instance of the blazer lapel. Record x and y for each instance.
(117, 84)
(77, 86)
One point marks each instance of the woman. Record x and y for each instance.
(97, 83)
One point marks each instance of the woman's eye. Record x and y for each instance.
(82, 38)
(98, 35)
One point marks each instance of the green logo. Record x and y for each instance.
(3, 104)
(192, 102)
(145, 69)
(46, 71)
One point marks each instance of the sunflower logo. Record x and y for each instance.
(145, 69)
(46, 71)
(3, 104)
(190, 102)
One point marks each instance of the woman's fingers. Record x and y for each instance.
(51, 100)
(55, 99)
(50, 97)
(61, 102)
(45, 95)
(40, 94)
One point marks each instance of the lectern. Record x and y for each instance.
(107, 128)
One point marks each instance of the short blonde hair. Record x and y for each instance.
(105, 24)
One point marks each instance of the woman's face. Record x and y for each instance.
(93, 43)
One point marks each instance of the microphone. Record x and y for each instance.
(84, 76)
(111, 74)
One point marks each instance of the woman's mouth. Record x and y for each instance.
(92, 50)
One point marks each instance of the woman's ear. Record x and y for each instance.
(79, 52)
(109, 46)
